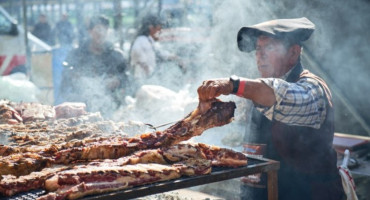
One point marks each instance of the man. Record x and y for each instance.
(64, 31)
(94, 72)
(43, 31)
(293, 112)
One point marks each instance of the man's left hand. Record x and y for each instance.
(213, 88)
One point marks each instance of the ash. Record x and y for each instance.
(181, 194)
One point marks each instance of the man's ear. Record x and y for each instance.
(294, 53)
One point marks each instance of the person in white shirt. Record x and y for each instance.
(146, 53)
(143, 53)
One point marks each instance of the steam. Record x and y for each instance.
(218, 56)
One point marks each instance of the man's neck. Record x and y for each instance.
(285, 76)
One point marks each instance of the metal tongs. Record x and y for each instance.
(203, 107)
(159, 126)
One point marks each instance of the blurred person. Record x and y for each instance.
(82, 30)
(118, 29)
(95, 71)
(64, 31)
(292, 113)
(145, 54)
(43, 31)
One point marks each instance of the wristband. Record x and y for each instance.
(241, 88)
(235, 80)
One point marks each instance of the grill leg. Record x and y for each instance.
(272, 186)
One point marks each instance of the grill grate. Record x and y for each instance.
(30, 195)
(255, 165)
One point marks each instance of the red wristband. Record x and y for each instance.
(241, 88)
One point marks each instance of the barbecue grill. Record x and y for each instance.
(255, 165)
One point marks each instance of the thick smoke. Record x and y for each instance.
(338, 45)
(216, 56)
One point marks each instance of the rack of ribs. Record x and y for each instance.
(148, 158)
(194, 124)
(86, 180)
(189, 158)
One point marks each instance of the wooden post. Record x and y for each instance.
(272, 185)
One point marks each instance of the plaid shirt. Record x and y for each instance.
(301, 104)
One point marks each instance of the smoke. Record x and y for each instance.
(336, 47)
(340, 45)
(215, 56)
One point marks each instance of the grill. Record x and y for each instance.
(255, 165)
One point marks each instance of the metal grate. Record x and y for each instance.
(30, 195)
(255, 165)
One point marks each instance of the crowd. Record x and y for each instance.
(96, 71)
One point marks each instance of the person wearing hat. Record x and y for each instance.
(292, 113)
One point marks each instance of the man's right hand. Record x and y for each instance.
(213, 88)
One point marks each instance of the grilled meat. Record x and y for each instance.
(22, 164)
(220, 113)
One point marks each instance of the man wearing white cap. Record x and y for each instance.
(293, 111)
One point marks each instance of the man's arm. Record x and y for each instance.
(301, 103)
(255, 90)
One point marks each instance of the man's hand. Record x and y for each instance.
(213, 88)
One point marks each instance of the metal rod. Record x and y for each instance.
(25, 27)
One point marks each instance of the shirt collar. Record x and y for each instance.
(285, 76)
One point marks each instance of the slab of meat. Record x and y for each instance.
(22, 164)
(106, 150)
(6, 150)
(82, 181)
(11, 185)
(219, 157)
(223, 157)
(9, 115)
(189, 158)
(70, 109)
(219, 114)
(34, 111)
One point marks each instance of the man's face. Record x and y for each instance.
(99, 33)
(272, 57)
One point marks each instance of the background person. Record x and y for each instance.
(64, 31)
(145, 55)
(95, 71)
(293, 111)
(43, 31)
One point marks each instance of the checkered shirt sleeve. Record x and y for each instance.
(300, 104)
